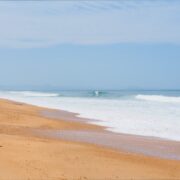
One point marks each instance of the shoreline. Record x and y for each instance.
(75, 116)
(72, 116)
(26, 155)
(92, 133)
(136, 144)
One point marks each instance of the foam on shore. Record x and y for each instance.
(136, 113)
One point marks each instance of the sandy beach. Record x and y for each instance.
(29, 151)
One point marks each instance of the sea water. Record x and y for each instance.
(147, 113)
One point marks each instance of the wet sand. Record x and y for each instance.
(150, 146)
(28, 150)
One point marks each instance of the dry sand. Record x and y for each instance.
(25, 155)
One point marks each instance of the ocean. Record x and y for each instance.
(146, 113)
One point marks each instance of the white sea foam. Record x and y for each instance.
(148, 115)
(34, 94)
(159, 98)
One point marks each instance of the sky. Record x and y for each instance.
(95, 44)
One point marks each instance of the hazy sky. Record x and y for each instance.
(90, 44)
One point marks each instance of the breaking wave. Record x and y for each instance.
(159, 98)
(34, 94)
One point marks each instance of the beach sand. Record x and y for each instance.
(25, 154)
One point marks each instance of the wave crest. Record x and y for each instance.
(159, 98)
(34, 94)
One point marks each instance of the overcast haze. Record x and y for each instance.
(90, 45)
